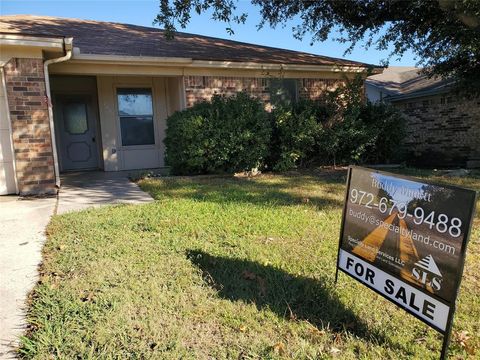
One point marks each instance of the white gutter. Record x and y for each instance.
(68, 55)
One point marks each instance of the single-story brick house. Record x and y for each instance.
(443, 128)
(80, 94)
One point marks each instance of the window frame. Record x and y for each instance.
(127, 86)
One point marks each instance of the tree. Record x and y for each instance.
(444, 34)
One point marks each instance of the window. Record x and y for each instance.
(283, 91)
(75, 118)
(136, 116)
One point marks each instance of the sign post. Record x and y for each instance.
(406, 239)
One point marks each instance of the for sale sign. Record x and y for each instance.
(406, 239)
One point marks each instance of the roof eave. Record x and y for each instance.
(189, 62)
(45, 43)
(417, 94)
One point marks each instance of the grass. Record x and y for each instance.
(225, 268)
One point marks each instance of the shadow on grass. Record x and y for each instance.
(281, 191)
(291, 297)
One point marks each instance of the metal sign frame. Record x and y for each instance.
(452, 305)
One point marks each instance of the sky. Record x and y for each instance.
(143, 12)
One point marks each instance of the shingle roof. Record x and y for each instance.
(400, 82)
(108, 38)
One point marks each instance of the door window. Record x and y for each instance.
(75, 118)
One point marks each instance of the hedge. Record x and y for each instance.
(235, 134)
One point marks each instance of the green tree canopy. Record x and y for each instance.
(444, 34)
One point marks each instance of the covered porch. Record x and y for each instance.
(112, 123)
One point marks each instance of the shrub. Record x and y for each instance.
(228, 134)
(233, 134)
(359, 132)
(386, 131)
(295, 130)
(340, 127)
(369, 133)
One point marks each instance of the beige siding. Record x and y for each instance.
(166, 100)
(7, 169)
(175, 94)
(11, 51)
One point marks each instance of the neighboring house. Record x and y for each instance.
(81, 94)
(443, 128)
(379, 86)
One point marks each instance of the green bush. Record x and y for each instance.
(368, 134)
(385, 130)
(339, 128)
(228, 134)
(359, 132)
(295, 130)
(233, 134)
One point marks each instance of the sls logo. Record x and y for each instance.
(426, 272)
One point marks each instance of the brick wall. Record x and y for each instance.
(314, 88)
(442, 130)
(199, 88)
(30, 126)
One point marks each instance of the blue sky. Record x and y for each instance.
(142, 12)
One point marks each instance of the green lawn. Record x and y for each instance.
(225, 268)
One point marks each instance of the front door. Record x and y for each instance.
(75, 121)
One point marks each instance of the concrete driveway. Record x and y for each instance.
(22, 235)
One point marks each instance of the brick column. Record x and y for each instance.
(30, 126)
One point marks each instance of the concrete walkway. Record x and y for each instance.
(22, 235)
(91, 189)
